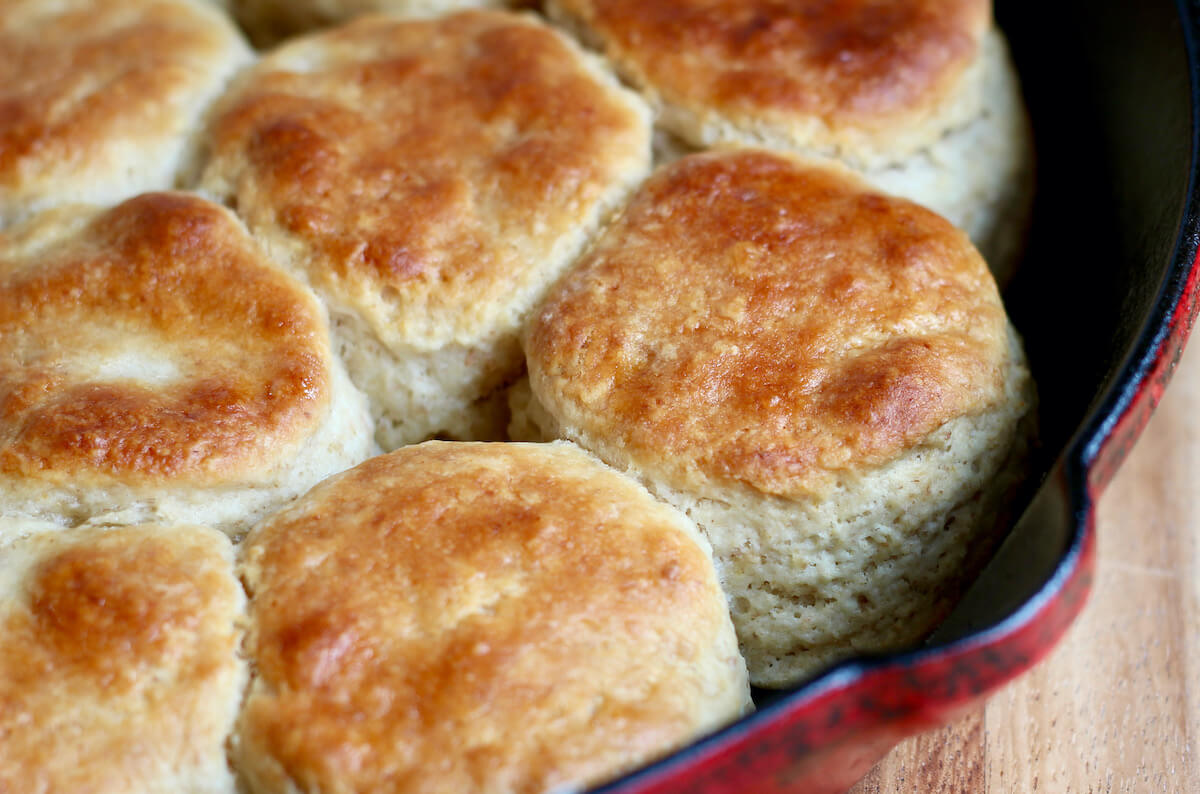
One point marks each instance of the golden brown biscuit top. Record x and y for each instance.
(80, 77)
(427, 165)
(110, 643)
(151, 343)
(479, 617)
(756, 320)
(844, 61)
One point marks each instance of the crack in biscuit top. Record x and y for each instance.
(154, 344)
(427, 167)
(755, 320)
(845, 61)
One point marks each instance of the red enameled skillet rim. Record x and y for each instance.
(824, 734)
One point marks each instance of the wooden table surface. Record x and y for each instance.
(1116, 706)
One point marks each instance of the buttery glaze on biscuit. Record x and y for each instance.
(118, 663)
(410, 155)
(155, 362)
(752, 321)
(99, 99)
(821, 376)
(854, 66)
(479, 617)
(851, 59)
(921, 97)
(175, 276)
(429, 178)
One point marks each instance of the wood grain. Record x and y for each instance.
(1116, 707)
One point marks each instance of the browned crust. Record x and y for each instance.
(846, 62)
(483, 617)
(174, 275)
(426, 165)
(755, 320)
(93, 82)
(117, 660)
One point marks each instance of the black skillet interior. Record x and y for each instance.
(1110, 90)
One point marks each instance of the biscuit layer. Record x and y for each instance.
(101, 99)
(479, 617)
(429, 178)
(119, 671)
(154, 360)
(753, 320)
(821, 376)
(867, 80)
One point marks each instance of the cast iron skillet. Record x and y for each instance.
(1105, 298)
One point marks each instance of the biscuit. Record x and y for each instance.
(156, 367)
(102, 99)
(920, 97)
(430, 179)
(823, 377)
(478, 617)
(119, 671)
